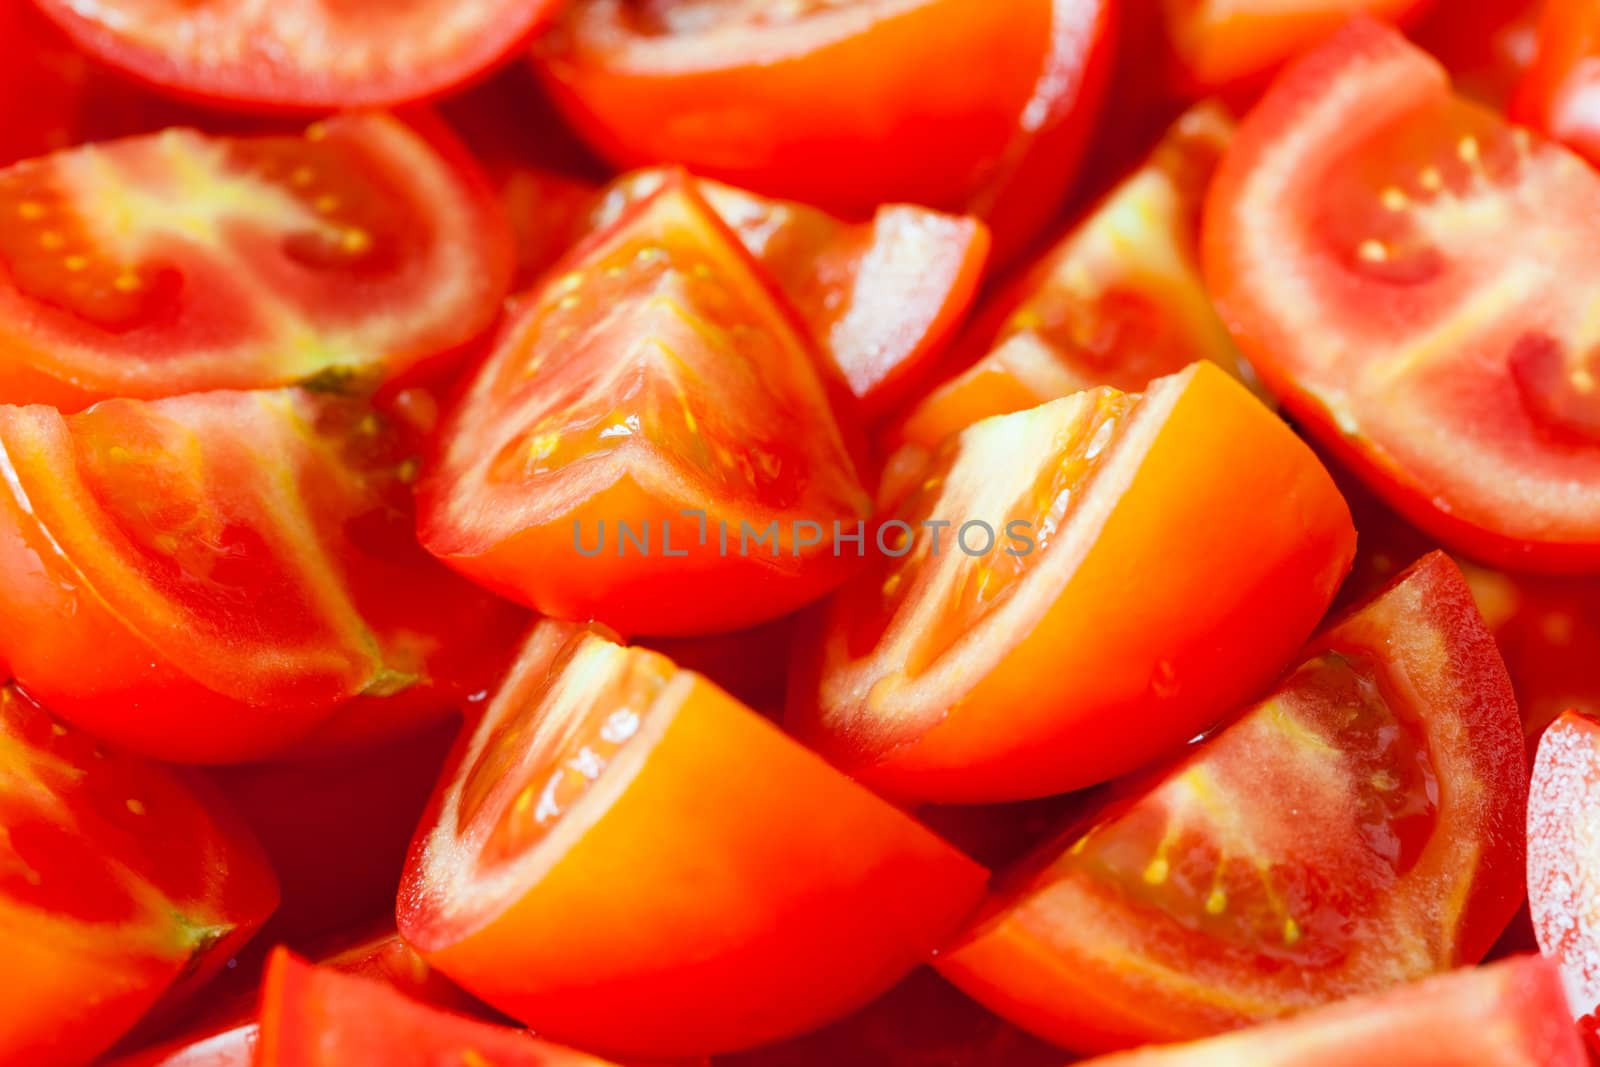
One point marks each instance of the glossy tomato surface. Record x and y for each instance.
(649, 444)
(210, 578)
(990, 667)
(1509, 1014)
(176, 262)
(779, 890)
(833, 104)
(123, 885)
(1405, 270)
(301, 55)
(1561, 92)
(1355, 830)
(1486, 45)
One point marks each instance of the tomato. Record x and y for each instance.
(317, 1017)
(211, 578)
(653, 390)
(1356, 829)
(1561, 93)
(42, 81)
(1505, 1015)
(122, 884)
(778, 890)
(879, 298)
(1227, 44)
(306, 55)
(989, 669)
(1401, 268)
(1487, 45)
(180, 262)
(832, 103)
(1118, 301)
(1564, 860)
(922, 1022)
(336, 828)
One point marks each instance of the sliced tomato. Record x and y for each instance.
(1505, 1015)
(179, 262)
(879, 298)
(1564, 860)
(831, 103)
(1355, 830)
(1405, 270)
(319, 1017)
(780, 891)
(1561, 93)
(1487, 45)
(1228, 44)
(988, 668)
(1118, 301)
(337, 828)
(122, 885)
(210, 578)
(653, 390)
(305, 55)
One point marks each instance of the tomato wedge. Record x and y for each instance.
(1118, 301)
(179, 262)
(303, 55)
(779, 890)
(1405, 270)
(318, 1017)
(989, 669)
(209, 578)
(1564, 860)
(1561, 93)
(832, 104)
(1188, 904)
(653, 391)
(1508, 1014)
(122, 884)
(879, 298)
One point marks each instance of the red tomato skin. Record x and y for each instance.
(1561, 92)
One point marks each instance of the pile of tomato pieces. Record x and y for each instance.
(927, 533)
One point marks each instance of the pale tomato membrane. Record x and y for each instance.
(1564, 858)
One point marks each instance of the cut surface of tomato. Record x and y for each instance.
(1561, 92)
(779, 890)
(1405, 270)
(649, 444)
(320, 1017)
(122, 885)
(878, 298)
(1508, 1014)
(832, 104)
(179, 262)
(209, 578)
(1355, 830)
(302, 55)
(1564, 860)
(1096, 553)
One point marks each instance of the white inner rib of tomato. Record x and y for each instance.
(570, 728)
(898, 663)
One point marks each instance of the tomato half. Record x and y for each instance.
(653, 390)
(122, 884)
(319, 1017)
(303, 55)
(832, 104)
(1561, 93)
(1564, 860)
(1405, 270)
(1356, 829)
(779, 890)
(179, 262)
(1505, 1015)
(1226, 44)
(989, 668)
(879, 298)
(209, 578)
(1118, 301)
